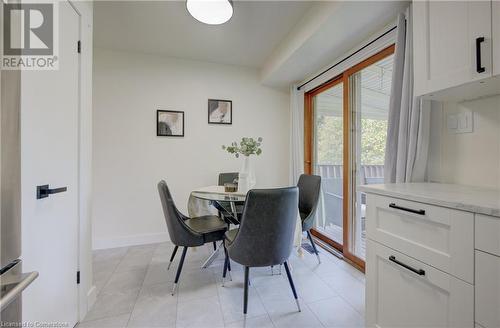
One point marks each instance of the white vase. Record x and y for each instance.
(246, 179)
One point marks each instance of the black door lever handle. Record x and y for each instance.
(44, 191)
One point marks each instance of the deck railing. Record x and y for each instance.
(368, 172)
(332, 187)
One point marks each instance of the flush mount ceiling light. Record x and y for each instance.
(212, 12)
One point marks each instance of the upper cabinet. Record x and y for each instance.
(496, 36)
(452, 45)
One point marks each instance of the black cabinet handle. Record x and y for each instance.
(420, 272)
(419, 212)
(479, 66)
(44, 191)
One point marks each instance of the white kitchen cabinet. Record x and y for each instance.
(487, 232)
(452, 44)
(404, 292)
(496, 36)
(438, 236)
(432, 256)
(487, 290)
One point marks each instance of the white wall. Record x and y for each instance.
(469, 158)
(129, 159)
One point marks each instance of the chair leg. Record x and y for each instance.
(245, 294)
(172, 257)
(313, 246)
(215, 246)
(290, 280)
(227, 266)
(179, 269)
(224, 271)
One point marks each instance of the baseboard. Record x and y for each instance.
(131, 240)
(91, 297)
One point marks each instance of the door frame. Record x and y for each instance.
(309, 143)
(348, 187)
(82, 294)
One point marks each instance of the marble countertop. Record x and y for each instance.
(470, 199)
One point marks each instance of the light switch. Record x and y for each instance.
(468, 122)
(462, 122)
(452, 122)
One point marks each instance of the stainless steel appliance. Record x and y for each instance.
(12, 280)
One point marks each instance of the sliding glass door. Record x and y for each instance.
(328, 111)
(370, 94)
(345, 138)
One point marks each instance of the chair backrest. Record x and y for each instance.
(180, 234)
(267, 228)
(228, 177)
(309, 189)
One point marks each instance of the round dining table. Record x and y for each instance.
(217, 194)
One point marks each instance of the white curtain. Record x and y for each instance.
(409, 117)
(296, 149)
(297, 134)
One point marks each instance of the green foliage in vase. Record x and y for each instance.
(246, 147)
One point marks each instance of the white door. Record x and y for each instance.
(445, 36)
(396, 296)
(49, 155)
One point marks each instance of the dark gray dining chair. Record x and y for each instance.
(309, 189)
(227, 177)
(223, 207)
(187, 232)
(266, 233)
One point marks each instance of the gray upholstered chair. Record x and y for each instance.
(227, 177)
(266, 233)
(309, 189)
(188, 232)
(223, 207)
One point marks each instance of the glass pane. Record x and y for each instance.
(371, 89)
(328, 160)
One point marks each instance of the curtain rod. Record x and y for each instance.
(347, 57)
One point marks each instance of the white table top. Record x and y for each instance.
(218, 193)
(219, 190)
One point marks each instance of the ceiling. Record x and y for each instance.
(347, 25)
(286, 41)
(166, 28)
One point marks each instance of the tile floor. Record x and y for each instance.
(134, 291)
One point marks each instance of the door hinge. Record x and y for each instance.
(79, 46)
(77, 277)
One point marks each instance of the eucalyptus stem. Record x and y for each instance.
(246, 147)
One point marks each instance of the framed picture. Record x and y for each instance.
(169, 123)
(220, 111)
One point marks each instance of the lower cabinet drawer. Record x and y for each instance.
(438, 236)
(404, 292)
(487, 290)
